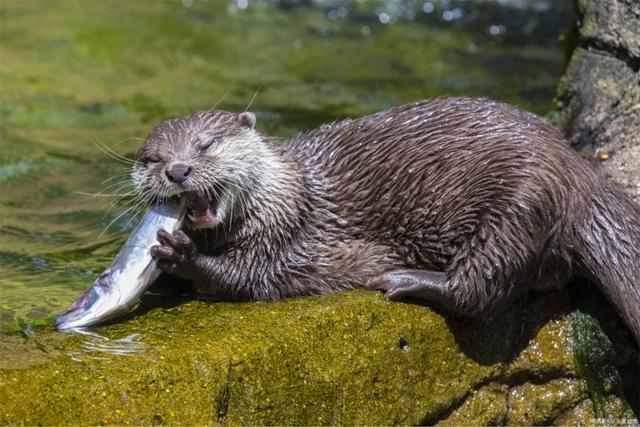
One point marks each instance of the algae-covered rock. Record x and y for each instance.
(580, 415)
(540, 404)
(486, 406)
(599, 99)
(349, 358)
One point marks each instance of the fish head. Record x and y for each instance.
(97, 304)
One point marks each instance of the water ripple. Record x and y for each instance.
(97, 346)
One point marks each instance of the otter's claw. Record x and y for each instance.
(420, 284)
(176, 253)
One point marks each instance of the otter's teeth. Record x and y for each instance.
(202, 213)
(203, 220)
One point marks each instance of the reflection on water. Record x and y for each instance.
(73, 73)
(95, 345)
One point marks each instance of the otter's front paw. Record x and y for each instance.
(175, 254)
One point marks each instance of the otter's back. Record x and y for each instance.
(433, 170)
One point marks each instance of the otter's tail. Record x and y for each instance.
(609, 251)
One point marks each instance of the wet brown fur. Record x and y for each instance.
(486, 193)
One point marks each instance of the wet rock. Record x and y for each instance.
(486, 406)
(541, 404)
(613, 25)
(600, 92)
(580, 415)
(349, 358)
(599, 98)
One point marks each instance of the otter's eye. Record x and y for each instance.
(206, 144)
(151, 159)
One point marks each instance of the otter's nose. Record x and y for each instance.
(178, 172)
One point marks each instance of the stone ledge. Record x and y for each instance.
(349, 358)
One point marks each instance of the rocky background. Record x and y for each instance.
(600, 93)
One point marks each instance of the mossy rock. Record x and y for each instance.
(349, 358)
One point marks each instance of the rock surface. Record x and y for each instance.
(600, 93)
(349, 358)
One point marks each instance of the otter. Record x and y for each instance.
(460, 202)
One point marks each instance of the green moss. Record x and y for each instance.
(541, 404)
(594, 356)
(580, 415)
(340, 359)
(350, 358)
(487, 406)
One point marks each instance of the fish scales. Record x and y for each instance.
(119, 288)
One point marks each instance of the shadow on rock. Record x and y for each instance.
(502, 336)
(167, 292)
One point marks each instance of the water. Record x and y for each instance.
(74, 75)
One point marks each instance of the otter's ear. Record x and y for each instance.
(247, 119)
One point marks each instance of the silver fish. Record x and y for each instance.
(122, 284)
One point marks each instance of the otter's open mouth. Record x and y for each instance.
(202, 212)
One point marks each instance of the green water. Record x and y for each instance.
(75, 75)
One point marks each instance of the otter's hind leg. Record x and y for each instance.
(480, 277)
(467, 296)
(422, 284)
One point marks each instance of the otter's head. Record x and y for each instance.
(213, 156)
